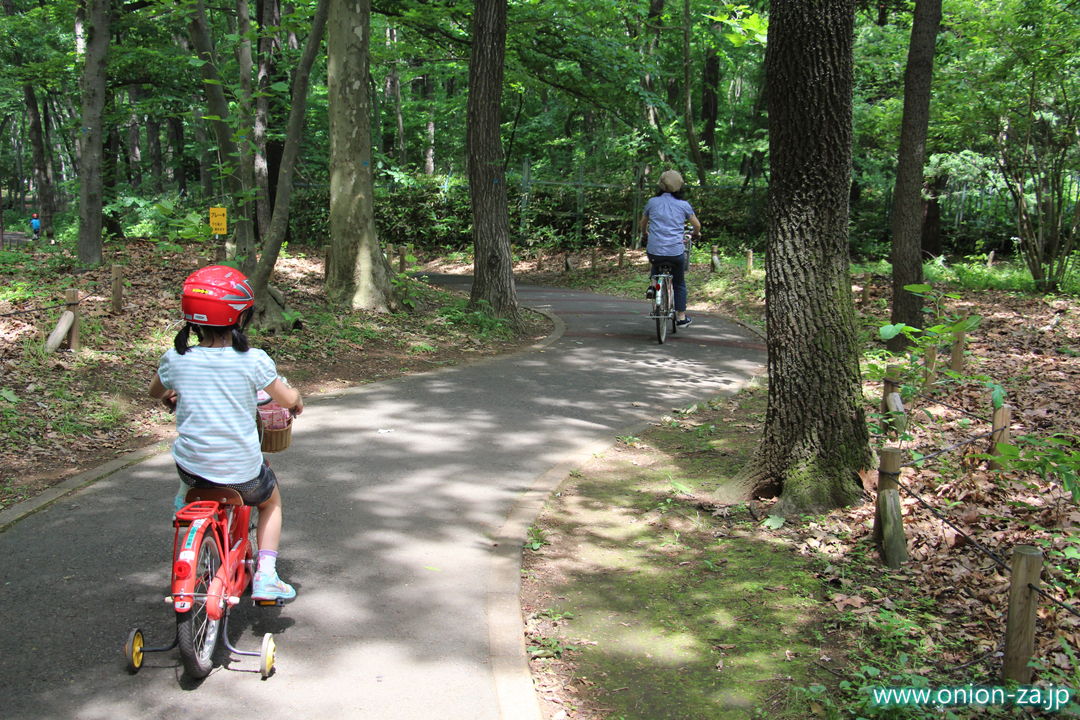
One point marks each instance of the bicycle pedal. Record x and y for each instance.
(268, 602)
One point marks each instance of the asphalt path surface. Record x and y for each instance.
(397, 497)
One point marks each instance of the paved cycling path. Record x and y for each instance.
(405, 506)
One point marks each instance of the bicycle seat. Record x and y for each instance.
(222, 496)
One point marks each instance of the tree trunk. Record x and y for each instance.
(652, 115)
(269, 306)
(907, 211)
(710, 103)
(91, 141)
(815, 439)
(357, 274)
(228, 152)
(493, 276)
(43, 175)
(688, 95)
(269, 16)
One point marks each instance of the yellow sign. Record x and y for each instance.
(218, 222)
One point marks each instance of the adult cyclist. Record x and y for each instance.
(663, 223)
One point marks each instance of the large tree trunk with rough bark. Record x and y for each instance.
(91, 141)
(357, 273)
(493, 276)
(815, 439)
(907, 211)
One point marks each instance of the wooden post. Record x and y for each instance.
(865, 297)
(1002, 419)
(402, 255)
(71, 297)
(749, 262)
(890, 386)
(1027, 563)
(956, 360)
(930, 369)
(990, 260)
(117, 288)
(888, 519)
(714, 260)
(567, 266)
(592, 258)
(622, 257)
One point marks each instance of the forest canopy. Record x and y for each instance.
(599, 96)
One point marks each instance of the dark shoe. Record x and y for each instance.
(684, 323)
(650, 293)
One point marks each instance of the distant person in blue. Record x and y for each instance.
(663, 225)
(35, 225)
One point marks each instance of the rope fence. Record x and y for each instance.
(1025, 568)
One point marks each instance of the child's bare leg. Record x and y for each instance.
(268, 533)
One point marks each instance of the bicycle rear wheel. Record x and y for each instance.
(196, 632)
(662, 309)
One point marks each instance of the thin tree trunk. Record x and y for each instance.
(269, 16)
(357, 274)
(228, 152)
(493, 277)
(688, 105)
(815, 438)
(267, 308)
(91, 143)
(907, 210)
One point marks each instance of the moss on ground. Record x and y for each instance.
(668, 605)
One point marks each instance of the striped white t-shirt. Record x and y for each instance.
(215, 413)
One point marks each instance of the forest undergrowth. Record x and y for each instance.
(67, 412)
(940, 619)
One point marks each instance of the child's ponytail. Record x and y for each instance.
(239, 340)
(180, 342)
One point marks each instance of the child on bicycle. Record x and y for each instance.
(662, 223)
(35, 226)
(212, 386)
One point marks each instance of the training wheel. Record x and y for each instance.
(133, 650)
(266, 656)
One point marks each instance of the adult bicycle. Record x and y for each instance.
(662, 304)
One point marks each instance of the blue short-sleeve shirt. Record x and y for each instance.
(668, 216)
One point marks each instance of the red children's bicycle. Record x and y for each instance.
(214, 555)
(214, 558)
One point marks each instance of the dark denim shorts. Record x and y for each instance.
(254, 492)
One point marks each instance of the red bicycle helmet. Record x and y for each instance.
(216, 295)
(34, 215)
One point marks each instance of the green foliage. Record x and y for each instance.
(1055, 457)
(481, 322)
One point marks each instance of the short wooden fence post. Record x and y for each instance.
(71, 298)
(749, 262)
(888, 520)
(117, 288)
(1002, 419)
(593, 258)
(714, 260)
(1027, 563)
(864, 298)
(956, 360)
(403, 257)
(567, 265)
(622, 257)
(890, 388)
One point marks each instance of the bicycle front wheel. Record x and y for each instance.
(196, 632)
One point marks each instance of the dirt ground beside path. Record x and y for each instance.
(65, 413)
